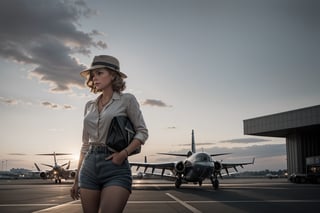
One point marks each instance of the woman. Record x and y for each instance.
(104, 177)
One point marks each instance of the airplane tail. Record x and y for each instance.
(68, 165)
(189, 153)
(55, 159)
(193, 144)
(54, 154)
(37, 167)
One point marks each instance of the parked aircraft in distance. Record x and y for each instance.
(57, 172)
(195, 168)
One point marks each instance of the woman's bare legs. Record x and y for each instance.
(113, 199)
(90, 200)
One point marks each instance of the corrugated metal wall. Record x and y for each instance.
(299, 146)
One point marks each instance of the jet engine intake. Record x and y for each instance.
(73, 174)
(43, 175)
(179, 167)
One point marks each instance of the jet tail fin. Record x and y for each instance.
(68, 165)
(37, 167)
(193, 144)
(193, 149)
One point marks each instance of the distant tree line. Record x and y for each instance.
(280, 173)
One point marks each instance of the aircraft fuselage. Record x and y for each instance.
(198, 167)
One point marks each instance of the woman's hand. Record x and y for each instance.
(75, 191)
(117, 157)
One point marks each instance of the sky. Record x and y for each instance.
(202, 65)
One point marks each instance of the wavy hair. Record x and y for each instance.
(118, 84)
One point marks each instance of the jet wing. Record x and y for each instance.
(226, 166)
(188, 154)
(168, 166)
(173, 154)
(163, 166)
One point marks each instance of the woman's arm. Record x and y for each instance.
(74, 191)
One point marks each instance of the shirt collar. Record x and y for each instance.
(115, 96)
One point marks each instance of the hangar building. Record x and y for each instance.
(300, 127)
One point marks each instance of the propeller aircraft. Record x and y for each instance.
(57, 171)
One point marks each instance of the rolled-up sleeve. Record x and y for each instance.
(135, 115)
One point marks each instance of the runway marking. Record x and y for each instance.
(254, 201)
(151, 202)
(27, 204)
(56, 207)
(191, 208)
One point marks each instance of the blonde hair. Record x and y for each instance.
(118, 84)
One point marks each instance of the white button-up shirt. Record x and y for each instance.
(96, 124)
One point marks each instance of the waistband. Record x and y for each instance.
(100, 148)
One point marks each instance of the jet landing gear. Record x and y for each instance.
(215, 182)
(178, 182)
(57, 180)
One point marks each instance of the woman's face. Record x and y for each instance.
(102, 78)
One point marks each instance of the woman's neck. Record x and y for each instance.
(107, 93)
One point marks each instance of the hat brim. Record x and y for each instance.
(86, 72)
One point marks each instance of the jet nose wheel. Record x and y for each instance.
(178, 183)
(215, 183)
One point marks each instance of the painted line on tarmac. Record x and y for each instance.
(191, 208)
(56, 207)
(152, 202)
(254, 201)
(27, 204)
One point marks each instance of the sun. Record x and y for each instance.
(75, 157)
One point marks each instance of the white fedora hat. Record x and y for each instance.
(104, 61)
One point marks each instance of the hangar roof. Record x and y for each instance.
(284, 123)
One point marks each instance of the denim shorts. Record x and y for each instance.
(97, 173)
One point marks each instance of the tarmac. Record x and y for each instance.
(234, 195)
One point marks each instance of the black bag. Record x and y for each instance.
(120, 134)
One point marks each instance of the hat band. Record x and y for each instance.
(106, 64)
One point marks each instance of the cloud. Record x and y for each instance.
(16, 154)
(237, 153)
(153, 102)
(55, 106)
(244, 140)
(8, 101)
(238, 140)
(200, 144)
(67, 106)
(172, 127)
(44, 34)
(258, 151)
(47, 104)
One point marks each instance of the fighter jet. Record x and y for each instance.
(57, 172)
(195, 168)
